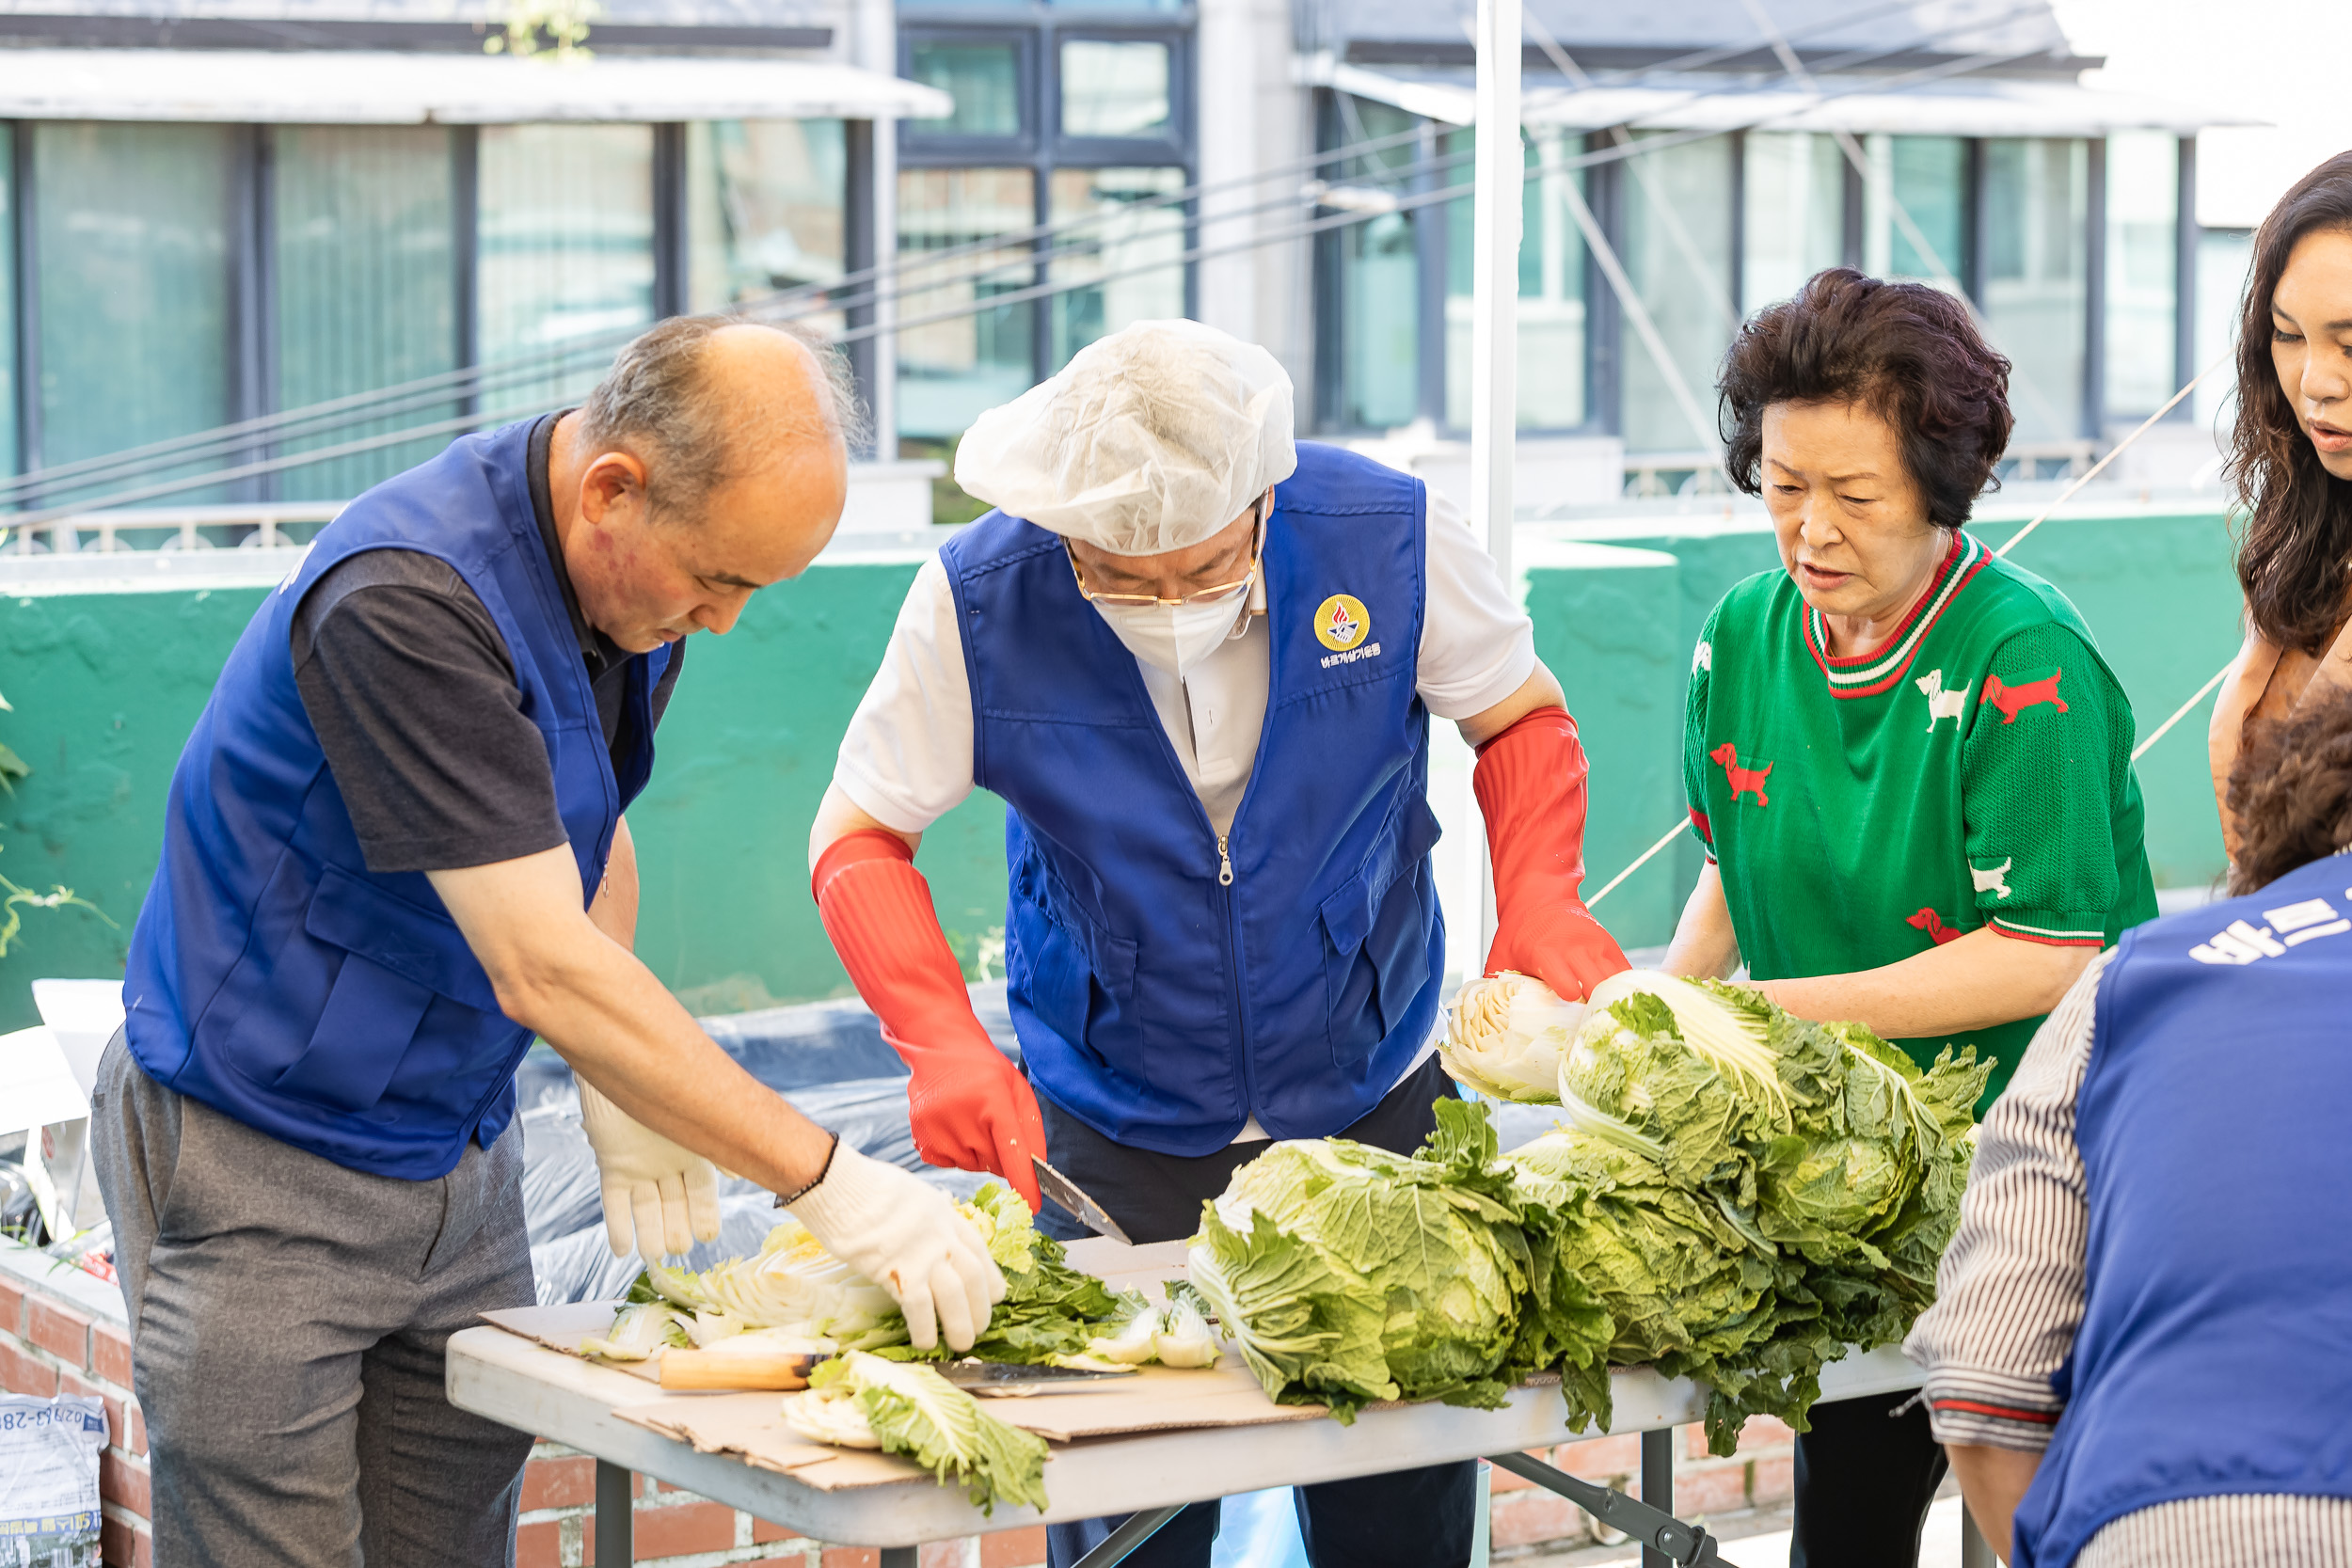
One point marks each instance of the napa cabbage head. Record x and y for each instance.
(1348, 1273)
(1505, 1035)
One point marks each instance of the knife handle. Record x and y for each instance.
(717, 1369)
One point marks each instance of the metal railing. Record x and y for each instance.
(259, 525)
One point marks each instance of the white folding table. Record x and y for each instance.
(527, 1385)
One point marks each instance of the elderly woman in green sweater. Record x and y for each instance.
(1908, 765)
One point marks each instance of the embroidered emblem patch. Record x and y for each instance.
(1342, 622)
(1993, 878)
(1942, 704)
(2013, 700)
(1744, 781)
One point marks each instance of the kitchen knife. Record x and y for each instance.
(983, 1377)
(1054, 1184)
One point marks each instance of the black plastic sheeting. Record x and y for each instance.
(827, 1058)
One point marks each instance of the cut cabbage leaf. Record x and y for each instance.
(641, 1331)
(910, 1409)
(831, 1415)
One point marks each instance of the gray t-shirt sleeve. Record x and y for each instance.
(412, 693)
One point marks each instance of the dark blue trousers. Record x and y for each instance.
(1420, 1518)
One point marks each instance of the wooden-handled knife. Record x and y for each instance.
(720, 1368)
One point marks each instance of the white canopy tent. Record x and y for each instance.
(1958, 105)
(360, 88)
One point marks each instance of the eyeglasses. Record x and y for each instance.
(1257, 548)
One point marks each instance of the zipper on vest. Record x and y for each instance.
(1224, 863)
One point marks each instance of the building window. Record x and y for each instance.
(1676, 249)
(367, 285)
(1554, 350)
(1795, 204)
(984, 77)
(565, 228)
(1915, 206)
(1079, 129)
(1114, 88)
(2144, 300)
(1132, 247)
(764, 209)
(950, 370)
(2036, 202)
(134, 284)
(1377, 268)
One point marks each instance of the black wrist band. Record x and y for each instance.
(785, 1200)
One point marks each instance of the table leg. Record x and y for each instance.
(1975, 1551)
(1657, 1485)
(616, 1535)
(1138, 1529)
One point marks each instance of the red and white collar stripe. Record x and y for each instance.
(1867, 675)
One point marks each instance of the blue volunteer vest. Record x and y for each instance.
(2215, 1355)
(1157, 1003)
(271, 974)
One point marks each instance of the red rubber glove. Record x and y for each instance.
(1530, 783)
(970, 1108)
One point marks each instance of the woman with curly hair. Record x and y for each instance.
(2291, 458)
(1909, 766)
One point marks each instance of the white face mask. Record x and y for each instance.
(1175, 638)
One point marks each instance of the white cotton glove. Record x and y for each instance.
(659, 1198)
(905, 1235)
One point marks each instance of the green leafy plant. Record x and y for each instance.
(557, 29)
(15, 900)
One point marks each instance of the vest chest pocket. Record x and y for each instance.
(1079, 979)
(396, 958)
(1375, 935)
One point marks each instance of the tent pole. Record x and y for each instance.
(1498, 180)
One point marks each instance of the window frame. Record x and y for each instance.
(1173, 145)
(949, 148)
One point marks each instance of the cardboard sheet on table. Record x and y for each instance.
(1156, 1399)
(750, 1427)
(562, 1328)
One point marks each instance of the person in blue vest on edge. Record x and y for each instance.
(2140, 1350)
(393, 851)
(1198, 662)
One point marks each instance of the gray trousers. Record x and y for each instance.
(286, 1324)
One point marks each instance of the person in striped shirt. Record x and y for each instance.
(2140, 1350)
(1908, 763)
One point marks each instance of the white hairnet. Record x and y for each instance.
(1151, 439)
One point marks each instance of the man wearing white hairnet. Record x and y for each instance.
(1198, 662)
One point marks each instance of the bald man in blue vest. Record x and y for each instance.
(393, 852)
(1199, 661)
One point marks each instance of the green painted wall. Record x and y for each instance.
(746, 751)
(106, 685)
(1608, 624)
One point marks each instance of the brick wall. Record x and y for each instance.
(51, 1343)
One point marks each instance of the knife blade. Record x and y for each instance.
(1054, 1184)
(985, 1376)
